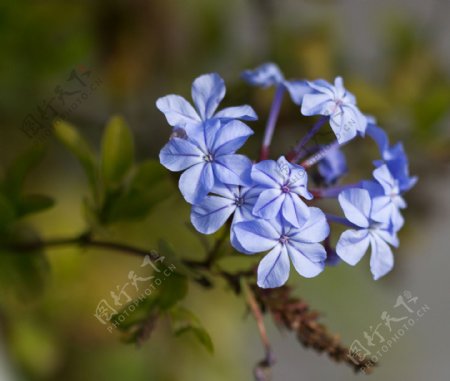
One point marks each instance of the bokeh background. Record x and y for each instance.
(394, 55)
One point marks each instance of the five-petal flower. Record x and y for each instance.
(286, 243)
(283, 183)
(208, 90)
(339, 104)
(353, 244)
(209, 158)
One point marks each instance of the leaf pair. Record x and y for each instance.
(121, 189)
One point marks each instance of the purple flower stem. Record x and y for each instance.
(340, 220)
(332, 192)
(297, 151)
(272, 122)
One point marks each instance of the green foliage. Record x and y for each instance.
(117, 151)
(183, 321)
(75, 143)
(121, 190)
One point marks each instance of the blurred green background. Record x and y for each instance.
(394, 56)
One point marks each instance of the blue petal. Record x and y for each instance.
(344, 123)
(233, 169)
(356, 204)
(212, 213)
(381, 258)
(256, 236)
(269, 203)
(196, 182)
(294, 210)
(208, 91)
(384, 177)
(317, 104)
(297, 90)
(177, 110)
(352, 245)
(265, 75)
(273, 270)
(308, 258)
(316, 229)
(333, 165)
(380, 137)
(231, 137)
(179, 154)
(244, 112)
(268, 174)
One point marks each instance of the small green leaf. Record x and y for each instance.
(16, 173)
(76, 144)
(172, 291)
(148, 187)
(34, 203)
(184, 321)
(117, 151)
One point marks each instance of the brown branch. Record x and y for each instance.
(83, 240)
(295, 315)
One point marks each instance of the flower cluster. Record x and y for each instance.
(268, 203)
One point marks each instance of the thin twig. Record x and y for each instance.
(262, 371)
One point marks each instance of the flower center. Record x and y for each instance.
(239, 201)
(284, 239)
(208, 157)
(285, 188)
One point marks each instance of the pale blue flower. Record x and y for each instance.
(339, 104)
(286, 243)
(353, 244)
(283, 183)
(208, 90)
(209, 159)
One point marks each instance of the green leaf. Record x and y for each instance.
(172, 290)
(117, 151)
(79, 147)
(140, 313)
(16, 173)
(148, 187)
(34, 203)
(184, 321)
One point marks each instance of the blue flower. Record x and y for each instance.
(386, 198)
(340, 105)
(269, 74)
(285, 242)
(208, 91)
(224, 200)
(393, 156)
(333, 166)
(282, 184)
(353, 244)
(266, 75)
(209, 158)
